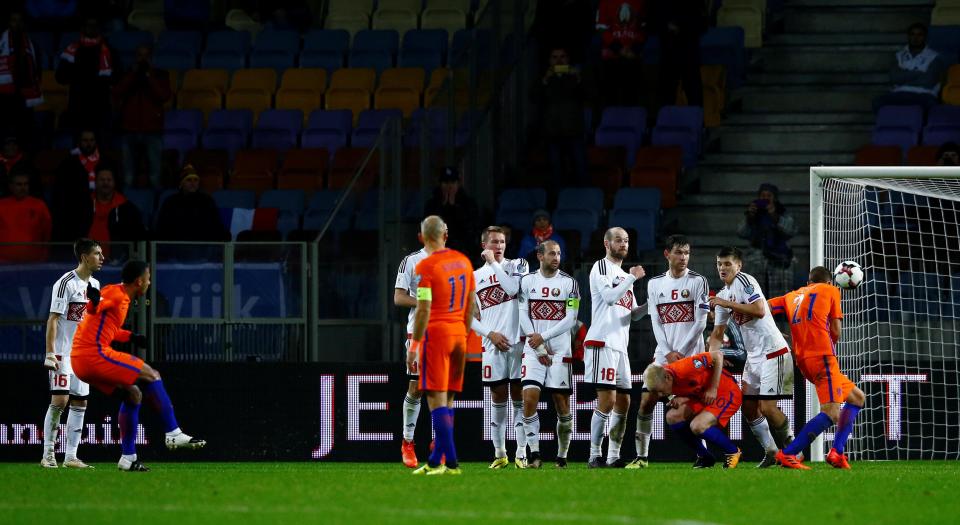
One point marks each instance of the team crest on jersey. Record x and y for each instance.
(697, 363)
(748, 289)
(675, 312)
(684, 293)
(555, 292)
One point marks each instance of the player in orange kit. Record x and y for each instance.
(706, 396)
(445, 299)
(815, 316)
(95, 362)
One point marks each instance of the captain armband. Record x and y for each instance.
(424, 294)
(573, 303)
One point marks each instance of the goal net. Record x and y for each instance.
(900, 328)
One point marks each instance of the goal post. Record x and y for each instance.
(900, 340)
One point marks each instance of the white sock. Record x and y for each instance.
(174, 433)
(597, 422)
(50, 424)
(74, 430)
(518, 429)
(618, 425)
(498, 429)
(783, 436)
(761, 430)
(531, 429)
(129, 457)
(564, 432)
(644, 429)
(411, 412)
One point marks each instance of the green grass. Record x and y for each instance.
(377, 493)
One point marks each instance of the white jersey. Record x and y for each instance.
(496, 291)
(760, 336)
(69, 299)
(678, 310)
(407, 279)
(545, 303)
(612, 304)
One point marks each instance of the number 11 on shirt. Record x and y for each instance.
(453, 290)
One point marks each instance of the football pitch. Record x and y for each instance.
(209, 493)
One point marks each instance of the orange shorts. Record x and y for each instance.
(442, 359)
(106, 368)
(824, 372)
(729, 399)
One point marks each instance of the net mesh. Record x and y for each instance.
(900, 327)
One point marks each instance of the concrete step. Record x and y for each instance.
(715, 160)
(725, 198)
(897, 38)
(793, 138)
(828, 59)
(792, 180)
(878, 80)
(725, 220)
(748, 119)
(858, 19)
(794, 99)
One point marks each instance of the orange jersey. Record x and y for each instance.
(810, 310)
(691, 375)
(98, 330)
(445, 278)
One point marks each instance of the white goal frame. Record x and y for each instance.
(817, 175)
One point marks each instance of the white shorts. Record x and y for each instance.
(606, 368)
(413, 373)
(67, 383)
(770, 376)
(501, 367)
(558, 376)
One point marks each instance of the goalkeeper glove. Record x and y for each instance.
(138, 340)
(51, 363)
(93, 295)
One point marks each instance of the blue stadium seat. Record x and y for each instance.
(643, 221)
(278, 129)
(235, 199)
(322, 204)
(286, 200)
(583, 220)
(143, 199)
(124, 44)
(435, 119)
(366, 217)
(376, 40)
(637, 199)
(522, 199)
(228, 129)
(465, 41)
(325, 48)
(680, 126)
(191, 41)
(181, 130)
(946, 41)
(519, 220)
(328, 129)
(276, 49)
(378, 60)
(622, 126)
(369, 125)
(727, 46)
(424, 48)
(226, 50)
(590, 199)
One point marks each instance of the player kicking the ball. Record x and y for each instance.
(815, 316)
(768, 374)
(606, 364)
(706, 397)
(497, 321)
(549, 301)
(405, 295)
(67, 304)
(95, 362)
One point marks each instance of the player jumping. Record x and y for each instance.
(497, 321)
(606, 364)
(67, 304)
(815, 317)
(549, 301)
(405, 296)
(95, 362)
(768, 374)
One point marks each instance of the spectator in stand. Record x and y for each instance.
(457, 209)
(23, 219)
(562, 95)
(142, 93)
(680, 24)
(76, 178)
(87, 67)
(19, 80)
(542, 231)
(621, 24)
(916, 76)
(191, 214)
(11, 156)
(948, 154)
(768, 227)
(111, 216)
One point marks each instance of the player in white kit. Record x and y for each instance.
(678, 304)
(549, 301)
(497, 321)
(67, 305)
(405, 296)
(606, 364)
(768, 373)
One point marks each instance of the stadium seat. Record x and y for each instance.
(349, 6)
(443, 18)
(945, 15)
(374, 49)
(203, 89)
(898, 126)
(622, 126)
(725, 45)
(436, 121)
(943, 125)
(369, 125)
(643, 222)
(276, 49)
(605, 165)
(873, 155)
(922, 156)
(581, 220)
(412, 5)
(284, 200)
(143, 199)
(322, 205)
(226, 50)
(435, 86)
(328, 129)
(749, 18)
(366, 217)
(151, 21)
(181, 130)
(400, 88)
(463, 5)
(399, 20)
(252, 89)
(590, 199)
(637, 199)
(303, 169)
(423, 48)
(946, 41)
(235, 199)
(228, 130)
(519, 220)
(349, 21)
(658, 167)
(278, 129)
(325, 48)
(714, 81)
(55, 95)
(254, 170)
(951, 90)
(464, 41)
(124, 45)
(351, 89)
(680, 126)
(522, 199)
(212, 165)
(346, 162)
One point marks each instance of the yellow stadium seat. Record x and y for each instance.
(410, 5)
(747, 17)
(443, 18)
(310, 79)
(304, 100)
(344, 6)
(400, 20)
(400, 88)
(203, 89)
(302, 89)
(252, 89)
(55, 96)
(759, 5)
(714, 79)
(951, 91)
(945, 15)
(354, 78)
(352, 21)
(350, 88)
(437, 78)
(151, 21)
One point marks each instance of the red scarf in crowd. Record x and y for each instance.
(89, 163)
(542, 234)
(30, 86)
(70, 53)
(8, 164)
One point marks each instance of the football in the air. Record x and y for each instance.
(848, 275)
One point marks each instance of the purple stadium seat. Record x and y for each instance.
(680, 126)
(436, 122)
(424, 48)
(325, 48)
(328, 129)
(276, 49)
(278, 129)
(909, 117)
(228, 129)
(369, 125)
(622, 126)
(181, 130)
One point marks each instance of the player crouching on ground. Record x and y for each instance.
(706, 398)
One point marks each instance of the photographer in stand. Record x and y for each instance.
(768, 227)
